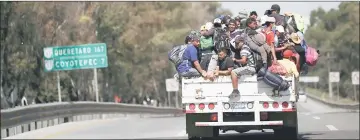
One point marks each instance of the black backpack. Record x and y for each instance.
(220, 39)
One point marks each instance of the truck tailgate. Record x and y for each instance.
(249, 87)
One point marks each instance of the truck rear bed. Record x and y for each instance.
(249, 86)
(209, 108)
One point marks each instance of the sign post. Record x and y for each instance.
(87, 56)
(172, 86)
(334, 77)
(355, 81)
(58, 85)
(96, 85)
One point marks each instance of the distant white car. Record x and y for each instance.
(302, 96)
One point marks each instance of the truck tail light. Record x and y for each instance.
(192, 106)
(285, 104)
(201, 106)
(265, 105)
(275, 105)
(211, 106)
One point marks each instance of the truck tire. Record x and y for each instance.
(286, 133)
(193, 138)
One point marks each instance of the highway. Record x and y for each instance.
(316, 121)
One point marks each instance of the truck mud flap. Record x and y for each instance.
(196, 131)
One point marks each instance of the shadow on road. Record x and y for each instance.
(252, 136)
(264, 136)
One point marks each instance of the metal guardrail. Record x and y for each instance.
(18, 120)
(335, 105)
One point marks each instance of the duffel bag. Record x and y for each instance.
(273, 80)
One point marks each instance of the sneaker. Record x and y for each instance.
(304, 69)
(234, 93)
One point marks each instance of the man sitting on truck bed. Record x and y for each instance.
(245, 60)
(190, 65)
(225, 63)
(288, 64)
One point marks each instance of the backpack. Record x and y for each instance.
(295, 22)
(175, 55)
(273, 80)
(206, 43)
(311, 56)
(220, 39)
(280, 21)
(278, 69)
(259, 38)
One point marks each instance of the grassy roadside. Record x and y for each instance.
(325, 96)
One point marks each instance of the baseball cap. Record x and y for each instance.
(203, 27)
(217, 20)
(263, 19)
(270, 19)
(194, 37)
(275, 7)
(287, 54)
(209, 25)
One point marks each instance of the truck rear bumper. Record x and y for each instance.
(238, 123)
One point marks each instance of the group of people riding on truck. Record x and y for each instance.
(269, 46)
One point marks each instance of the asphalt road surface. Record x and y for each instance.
(316, 121)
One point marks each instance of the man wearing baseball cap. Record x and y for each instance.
(288, 64)
(244, 63)
(270, 36)
(190, 65)
(274, 11)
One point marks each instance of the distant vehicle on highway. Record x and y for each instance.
(302, 95)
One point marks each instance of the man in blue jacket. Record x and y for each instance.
(190, 65)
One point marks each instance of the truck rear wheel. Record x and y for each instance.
(204, 133)
(286, 133)
(193, 138)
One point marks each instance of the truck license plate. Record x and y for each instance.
(237, 105)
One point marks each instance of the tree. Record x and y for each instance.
(138, 36)
(336, 33)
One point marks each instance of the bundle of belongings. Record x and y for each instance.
(268, 46)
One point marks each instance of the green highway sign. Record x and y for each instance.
(75, 57)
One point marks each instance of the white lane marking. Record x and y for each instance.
(331, 127)
(316, 117)
(181, 133)
(304, 113)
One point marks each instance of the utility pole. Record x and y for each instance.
(329, 69)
